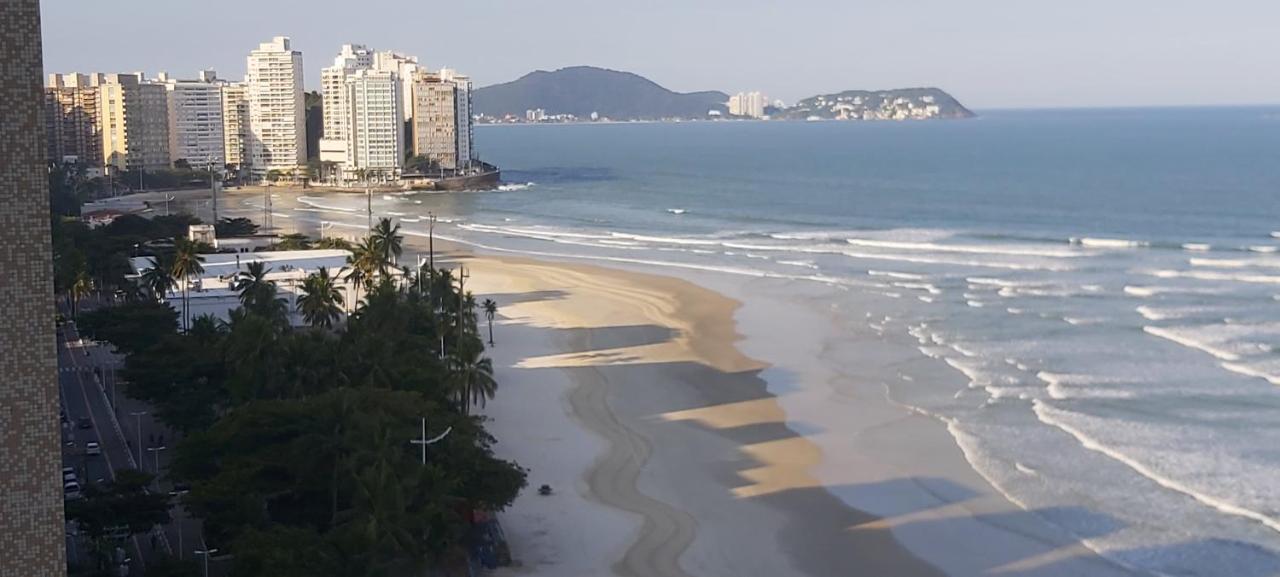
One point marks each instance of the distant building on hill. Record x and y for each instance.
(749, 104)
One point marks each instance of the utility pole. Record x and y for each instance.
(423, 441)
(368, 193)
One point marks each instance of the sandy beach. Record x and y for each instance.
(721, 425)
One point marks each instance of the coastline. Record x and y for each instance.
(778, 471)
(683, 436)
(633, 394)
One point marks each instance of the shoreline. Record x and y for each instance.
(695, 449)
(778, 464)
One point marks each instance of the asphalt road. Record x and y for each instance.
(87, 376)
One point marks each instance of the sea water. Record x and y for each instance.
(1107, 283)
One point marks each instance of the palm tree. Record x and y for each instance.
(471, 376)
(361, 266)
(386, 242)
(257, 294)
(490, 309)
(321, 301)
(159, 279)
(80, 289)
(186, 263)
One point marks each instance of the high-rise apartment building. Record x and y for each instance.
(71, 119)
(32, 530)
(435, 125)
(277, 117)
(442, 123)
(404, 67)
(134, 118)
(749, 104)
(376, 123)
(334, 145)
(235, 124)
(195, 121)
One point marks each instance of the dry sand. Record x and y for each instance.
(680, 433)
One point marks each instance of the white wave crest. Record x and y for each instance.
(1111, 243)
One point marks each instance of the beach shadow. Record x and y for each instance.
(504, 299)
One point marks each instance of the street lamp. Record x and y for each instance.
(156, 451)
(205, 553)
(137, 415)
(424, 441)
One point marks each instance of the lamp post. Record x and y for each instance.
(156, 452)
(137, 415)
(423, 441)
(431, 242)
(205, 553)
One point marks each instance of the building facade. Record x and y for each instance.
(32, 528)
(465, 125)
(195, 121)
(749, 104)
(376, 123)
(235, 125)
(277, 117)
(134, 119)
(435, 125)
(335, 142)
(71, 118)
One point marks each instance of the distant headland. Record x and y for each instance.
(587, 94)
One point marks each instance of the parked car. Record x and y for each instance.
(92, 449)
(68, 476)
(84, 423)
(71, 490)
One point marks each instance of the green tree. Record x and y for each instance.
(159, 278)
(490, 310)
(258, 294)
(235, 227)
(321, 301)
(82, 287)
(471, 376)
(117, 510)
(386, 244)
(187, 263)
(131, 327)
(294, 242)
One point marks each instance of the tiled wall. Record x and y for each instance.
(31, 521)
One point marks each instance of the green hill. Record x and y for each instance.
(582, 90)
(898, 104)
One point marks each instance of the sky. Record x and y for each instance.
(987, 53)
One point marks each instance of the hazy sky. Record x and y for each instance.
(988, 53)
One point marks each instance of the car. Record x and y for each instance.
(66, 470)
(84, 423)
(69, 478)
(92, 449)
(71, 490)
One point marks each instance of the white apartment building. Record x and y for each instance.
(750, 104)
(277, 116)
(376, 123)
(333, 88)
(235, 124)
(404, 67)
(196, 121)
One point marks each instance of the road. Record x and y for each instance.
(87, 375)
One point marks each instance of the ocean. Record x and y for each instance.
(1105, 282)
